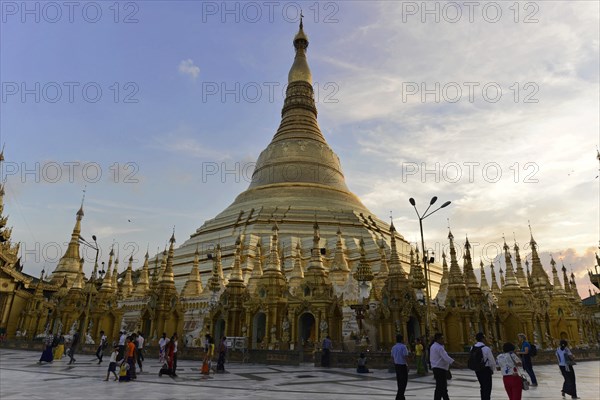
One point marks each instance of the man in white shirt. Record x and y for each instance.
(440, 364)
(484, 376)
(399, 356)
(121, 345)
(140, 349)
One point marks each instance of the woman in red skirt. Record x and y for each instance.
(508, 363)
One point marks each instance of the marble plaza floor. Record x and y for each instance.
(22, 378)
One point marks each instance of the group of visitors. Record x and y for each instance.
(481, 360)
(54, 348)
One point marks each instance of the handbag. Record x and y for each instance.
(525, 382)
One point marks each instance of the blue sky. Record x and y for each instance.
(157, 144)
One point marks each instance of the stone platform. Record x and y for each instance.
(22, 378)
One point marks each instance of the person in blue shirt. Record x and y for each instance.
(526, 357)
(399, 356)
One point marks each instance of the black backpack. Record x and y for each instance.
(532, 350)
(476, 362)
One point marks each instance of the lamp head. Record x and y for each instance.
(412, 202)
(433, 200)
(446, 204)
(94, 238)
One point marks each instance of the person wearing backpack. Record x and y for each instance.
(526, 353)
(481, 360)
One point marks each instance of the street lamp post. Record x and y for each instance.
(91, 284)
(426, 214)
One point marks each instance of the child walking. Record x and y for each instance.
(112, 366)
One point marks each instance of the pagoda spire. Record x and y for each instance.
(485, 287)
(511, 279)
(364, 273)
(298, 272)
(193, 286)
(339, 259)
(236, 277)
(566, 280)
(68, 265)
(521, 276)
(316, 263)
(416, 272)
(495, 288)
(469, 272)
(556, 286)
(574, 287)
(395, 264)
(127, 286)
(273, 262)
(115, 275)
(456, 276)
(167, 277)
(107, 281)
(384, 269)
(257, 269)
(540, 278)
(143, 283)
(501, 273)
(443, 290)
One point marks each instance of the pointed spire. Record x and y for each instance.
(456, 276)
(316, 263)
(495, 288)
(416, 272)
(143, 283)
(236, 276)
(574, 287)
(566, 280)
(298, 272)
(273, 263)
(168, 277)
(257, 269)
(300, 70)
(193, 285)
(485, 287)
(363, 270)
(443, 290)
(115, 275)
(556, 287)
(539, 277)
(127, 286)
(383, 265)
(68, 265)
(511, 279)
(469, 271)
(395, 264)
(339, 259)
(107, 280)
(521, 277)
(501, 273)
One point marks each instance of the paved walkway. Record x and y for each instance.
(22, 378)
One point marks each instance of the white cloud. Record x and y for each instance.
(187, 67)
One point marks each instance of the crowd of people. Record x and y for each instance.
(128, 353)
(512, 362)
